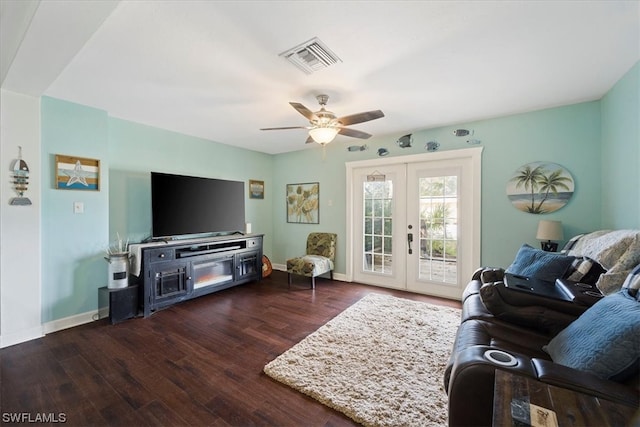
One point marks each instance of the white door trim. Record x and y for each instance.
(475, 153)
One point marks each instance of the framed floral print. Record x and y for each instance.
(303, 203)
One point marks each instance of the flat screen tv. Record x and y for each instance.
(188, 205)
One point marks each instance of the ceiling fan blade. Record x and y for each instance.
(354, 133)
(360, 117)
(310, 115)
(286, 127)
(309, 140)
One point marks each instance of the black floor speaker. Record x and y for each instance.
(118, 304)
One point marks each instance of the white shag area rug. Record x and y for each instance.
(380, 362)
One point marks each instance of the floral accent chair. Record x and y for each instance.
(319, 259)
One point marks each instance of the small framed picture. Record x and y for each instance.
(256, 189)
(303, 203)
(77, 173)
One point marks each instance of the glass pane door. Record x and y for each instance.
(416, 225)
(438, 210)
(440, 204)
(378, 227)
(379, 223)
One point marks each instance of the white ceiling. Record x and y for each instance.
(212, 68)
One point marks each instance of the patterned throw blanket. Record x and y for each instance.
(617, 251)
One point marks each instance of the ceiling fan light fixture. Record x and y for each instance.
(323, 135)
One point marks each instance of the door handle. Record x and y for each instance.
(409, 240)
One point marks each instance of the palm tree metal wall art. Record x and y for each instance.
(540, 187)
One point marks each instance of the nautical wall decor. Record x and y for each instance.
(357, 147)
(405, 141)
(77, 173)
(20, 176)
(432, 146)
(540, 187)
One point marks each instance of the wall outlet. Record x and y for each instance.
(78, 207)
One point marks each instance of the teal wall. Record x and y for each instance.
(135, 150)
(569, 136)
(621, 153)
(73, 245)
(596, 141)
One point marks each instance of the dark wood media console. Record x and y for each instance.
(175, 271)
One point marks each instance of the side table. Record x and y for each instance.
(118, 304)
(513, 395)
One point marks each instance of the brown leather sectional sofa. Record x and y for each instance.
(520, 323)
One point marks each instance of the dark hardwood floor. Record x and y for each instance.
(196, 363)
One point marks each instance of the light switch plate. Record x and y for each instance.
(78, 207)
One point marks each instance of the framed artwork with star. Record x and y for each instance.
(77, 173)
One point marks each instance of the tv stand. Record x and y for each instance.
(169, 272)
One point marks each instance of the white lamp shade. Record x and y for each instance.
(323, 135)
(549, 230)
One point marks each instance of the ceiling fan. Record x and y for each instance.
(324, 125)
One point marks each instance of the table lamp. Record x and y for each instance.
(549, 230)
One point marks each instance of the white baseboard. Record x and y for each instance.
(341, 277)
(336, 276)
(70, 322)
(7, 340)
(279, 267)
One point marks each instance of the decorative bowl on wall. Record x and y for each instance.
(540, 187)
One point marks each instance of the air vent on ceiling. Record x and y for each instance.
(311, 56)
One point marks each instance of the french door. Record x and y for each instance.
(413, 222)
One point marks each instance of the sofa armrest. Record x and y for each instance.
(562, 376)
(472, 288)
(476, 274)
(470, 385)
(527, 309)
(491, 274)
(479, 278)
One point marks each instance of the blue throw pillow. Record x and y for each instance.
(604, 340)
(540, 264)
